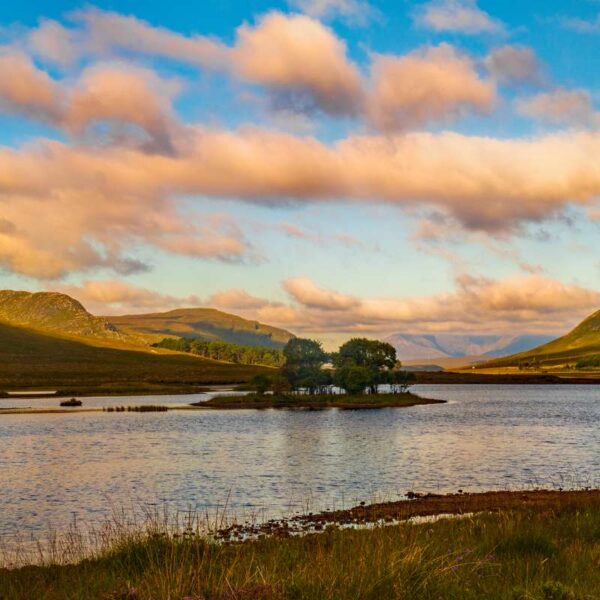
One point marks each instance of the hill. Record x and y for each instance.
(34, 359)
(580, 343)
(411, 347)
(204, 324)
(52, 311)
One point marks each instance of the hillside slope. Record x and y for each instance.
(52, 311)
(581, 342)
(30, 359)
(202, 323)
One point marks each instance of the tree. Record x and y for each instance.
(376, 357)
(304, 360)
(354, 379)
(260, 383)
(400, 381)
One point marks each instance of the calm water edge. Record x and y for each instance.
(54, 468)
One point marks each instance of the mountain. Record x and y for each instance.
(448, 345)
(51, 311)
(581, 342)
(36, 359)
(202, 323)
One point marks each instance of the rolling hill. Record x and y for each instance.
(204, 324)
(49, 339)
(33, 359)
(580, 343)
(411, 347)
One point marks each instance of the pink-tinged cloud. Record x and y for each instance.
(98, 202)
(53, 42)
(113, 296)
(107, 31)
(561, 106)
(304, 291)
(124, 94)
(26, 90)
(515, 65)
(296, 54)
(237, 299)
(428, 85)
(476, 304)
(459, 16)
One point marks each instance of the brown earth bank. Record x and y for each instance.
(316, 402)
(418, 505)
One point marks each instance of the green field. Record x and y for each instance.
(32, 359)
(543, 552)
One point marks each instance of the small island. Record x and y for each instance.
(362, 374)
(317, 401)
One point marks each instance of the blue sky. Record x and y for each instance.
(171, 154)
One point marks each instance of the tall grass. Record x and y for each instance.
(524, 554)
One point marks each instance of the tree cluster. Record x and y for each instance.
(234, 353)
(359, 366)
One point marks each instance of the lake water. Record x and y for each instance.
(56, 467)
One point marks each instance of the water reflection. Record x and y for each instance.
(55, 466)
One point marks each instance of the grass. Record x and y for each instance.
(30, 359)
(318, 401)
(542, 552)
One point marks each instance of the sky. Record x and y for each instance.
(333, 167)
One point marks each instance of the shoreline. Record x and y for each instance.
(523, 545)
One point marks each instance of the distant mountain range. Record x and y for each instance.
(580, 343)
(447, 345)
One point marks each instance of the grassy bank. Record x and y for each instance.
(318, 401)
(547, 550)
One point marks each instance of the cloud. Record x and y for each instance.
(295, 57)
(116, 93)
(237, 299)
(515, 65)
(428, 85)
(310, 295)
(124, 94)
(52, 42)
(26, 90)
(99, 201)
(298, 55)
(459, 16)
(561, 106)
(477, 304)
(582, 25)
(354, 11)
(107, 31)
(112, 296)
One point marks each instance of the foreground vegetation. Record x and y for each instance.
(31, 359)
(317, 401)
(542, 551)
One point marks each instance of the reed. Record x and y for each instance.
(535, 553)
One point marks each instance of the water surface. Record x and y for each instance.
(56, 467)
